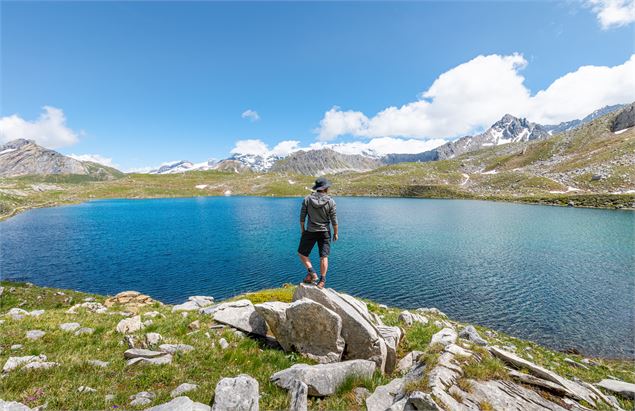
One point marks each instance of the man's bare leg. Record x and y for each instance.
(324, 267)
(311, 276)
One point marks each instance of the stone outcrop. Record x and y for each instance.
(131, 300)
(469, 333)
(409, 318)
(16, 362)
(625, 389)
(239, 314)
(237, 394)
(298, 396)
(194, 303)
(444, 337)
(323, 379)
(182, 389)
(306, 327)
(362, 337)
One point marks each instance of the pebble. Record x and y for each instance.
(142, 398)
(223, 343)
(85, 330)
(194, 325)
(147, 323)
(16, 347)
(153, 314)
(86, 389)
(69, 326)
(153, 339)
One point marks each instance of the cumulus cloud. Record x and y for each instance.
(376, 146)
(475, 94)
(95, 158)
(49, 129)
(613, 13)
(250, 115)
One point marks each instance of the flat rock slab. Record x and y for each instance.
(16, 362)
(444, 337)
(98, 363)
(194, 303)
(180, 404)
(182, 389)
(306, 327)
(384, 395)
(13, 406)
(574, 389)
(44, 365)
(469, 333)
(625, 389)
(237, 394)
(69, 326)
(165, 359)
(323, 379)
(239, 314)
(174, 348)
(35, 334)
(142, 353)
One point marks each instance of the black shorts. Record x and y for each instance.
(308, 240)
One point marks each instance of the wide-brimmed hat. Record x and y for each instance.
(321, 184)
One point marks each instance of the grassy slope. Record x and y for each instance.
(204, 366)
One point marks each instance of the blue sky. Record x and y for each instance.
(146, 82)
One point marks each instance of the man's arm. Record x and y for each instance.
(302, 215)
(333, 218)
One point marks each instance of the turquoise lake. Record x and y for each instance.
(563, 277)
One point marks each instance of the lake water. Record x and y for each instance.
(559, 276)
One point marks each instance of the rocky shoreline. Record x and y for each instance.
(294, 348)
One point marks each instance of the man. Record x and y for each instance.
(320, 208)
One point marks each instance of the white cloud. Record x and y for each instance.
(613, 13)
(95, 158)
(473, 95)
(49, 130)
(251, 115)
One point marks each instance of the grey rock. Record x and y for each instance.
(148, 323)
(434, 311)
(142, 398)
(422, 401)
(361, 393)
(444, 337)
(194, 303)
(88, 306)
(237, 394)
(574, 389)
(35, 334)
(180, 404)
(182, 389)
(109, 397)
(140, 401)
(409, 318)
(384, 395)
(323, 379)
(575, 363)
(506, 395)
(194, 325)
(153, 339)
(36, 313)
(298, 396)
(153, 314)
(45, 365)
(469, 333)
(361, 335)
(223, 343)
(84, 331)
(16, 347)
(625, 389)
(324, 161)
(408, 361)
(17, 313)
(69, 326)
(164, 359)
(130, 325)
(306, 327)
(13, 406)
(391, 336)
(625, 119)
(142, 353)
(89, 299)
(85, 389)
(98, 363)
(174, 348)
(239, 314)
(15, 362)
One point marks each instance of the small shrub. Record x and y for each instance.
(486, 406)
(465, 384)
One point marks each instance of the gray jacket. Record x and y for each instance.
(321, 210)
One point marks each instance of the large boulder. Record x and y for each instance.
(239, 314)
(363, 339)
(392, 336)
(13, 406)
(625, 119)
(180, 404)
(306, 327)
(384, 395)
(236, 394)
(323, 379)
(444, 337)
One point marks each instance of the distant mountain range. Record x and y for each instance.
(24, 157)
